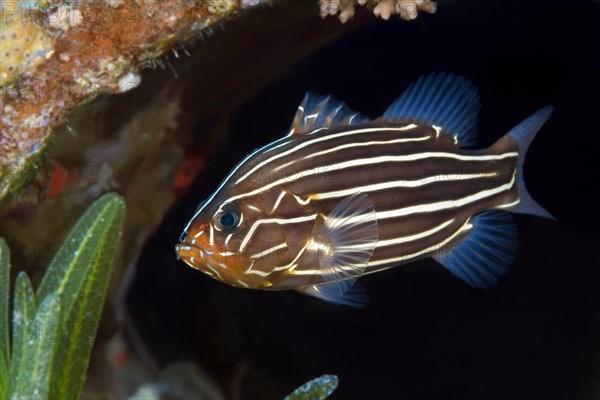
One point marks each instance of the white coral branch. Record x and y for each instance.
(406, 9)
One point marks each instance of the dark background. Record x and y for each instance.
(424, 334)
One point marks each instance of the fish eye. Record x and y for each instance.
(227, 218)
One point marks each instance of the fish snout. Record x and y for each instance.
(191, 255)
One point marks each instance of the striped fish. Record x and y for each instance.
(341, 196)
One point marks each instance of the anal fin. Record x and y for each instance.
(486, 253)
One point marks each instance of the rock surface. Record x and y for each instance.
(57, 56)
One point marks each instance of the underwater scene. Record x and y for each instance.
(300, 199)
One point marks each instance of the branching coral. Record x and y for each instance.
(406, 9)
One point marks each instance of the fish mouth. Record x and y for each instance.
(193, 256)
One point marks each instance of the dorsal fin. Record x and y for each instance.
(442, 99)
(322, 112)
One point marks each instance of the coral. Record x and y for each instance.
(406, 9)
(64, 17)
(56, 56)
(24, 44)
(220, 6)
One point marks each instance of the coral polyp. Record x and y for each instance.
(406, 9)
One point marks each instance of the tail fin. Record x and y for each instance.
(523, 134)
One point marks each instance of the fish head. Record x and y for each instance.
(208, 243)
(242, 242)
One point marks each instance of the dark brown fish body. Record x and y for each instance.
(341, 196)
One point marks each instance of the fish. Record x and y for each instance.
(341, 196)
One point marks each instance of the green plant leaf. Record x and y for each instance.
(4, 318)
(33, 381)
(67, 271)
(4, 375)
(24, 310)
(4, 292)
(79, 275)
(317, 389)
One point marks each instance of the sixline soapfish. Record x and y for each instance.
(341, 196)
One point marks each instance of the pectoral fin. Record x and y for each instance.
(344, 245)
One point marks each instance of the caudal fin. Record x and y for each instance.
(523, 134)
